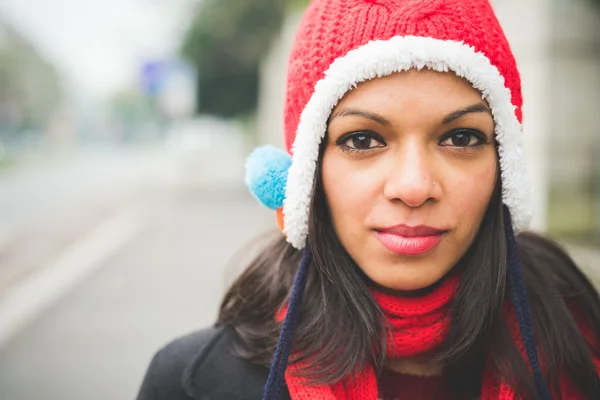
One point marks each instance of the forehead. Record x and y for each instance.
(435, 89)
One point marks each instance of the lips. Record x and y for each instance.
(410, 240)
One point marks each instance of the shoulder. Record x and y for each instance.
(202, 366)
(163, 379)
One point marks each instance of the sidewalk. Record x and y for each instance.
(62, 222)
(47, 206)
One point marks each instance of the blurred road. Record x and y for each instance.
(96, 342)
(105, 257)
(46, 206)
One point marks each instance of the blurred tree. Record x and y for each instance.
(225, 43)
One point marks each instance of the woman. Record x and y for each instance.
(399, 274)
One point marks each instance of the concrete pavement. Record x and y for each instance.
(96, 342)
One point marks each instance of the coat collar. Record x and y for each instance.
(215, 373)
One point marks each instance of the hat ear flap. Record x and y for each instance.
(266, 177)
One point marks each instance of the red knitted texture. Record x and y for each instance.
(417, 326)
(331, 28)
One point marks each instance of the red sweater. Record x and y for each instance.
(397, 386)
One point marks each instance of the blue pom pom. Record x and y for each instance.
(266, 175)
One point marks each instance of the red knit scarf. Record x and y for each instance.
(419, 325)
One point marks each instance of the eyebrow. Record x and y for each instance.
(475, 108)
(366, 114)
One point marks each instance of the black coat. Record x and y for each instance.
(201, 366)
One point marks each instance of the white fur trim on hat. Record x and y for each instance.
(385, 57)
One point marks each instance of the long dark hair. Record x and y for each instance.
(337, 304)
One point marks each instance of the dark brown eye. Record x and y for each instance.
(463, 138)
(360, 141)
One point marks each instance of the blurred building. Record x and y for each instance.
(29, 87)
(557, 46)
(574, 153)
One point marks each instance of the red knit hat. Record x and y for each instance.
(341, 43)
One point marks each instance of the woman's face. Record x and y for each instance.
(408, 171)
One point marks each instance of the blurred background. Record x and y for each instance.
(124, 126)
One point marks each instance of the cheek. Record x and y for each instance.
(350, 192)
(469, 195)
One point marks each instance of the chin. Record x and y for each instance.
(408, 282)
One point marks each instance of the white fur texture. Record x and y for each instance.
(381, 58)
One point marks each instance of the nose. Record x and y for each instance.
(411, 178)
